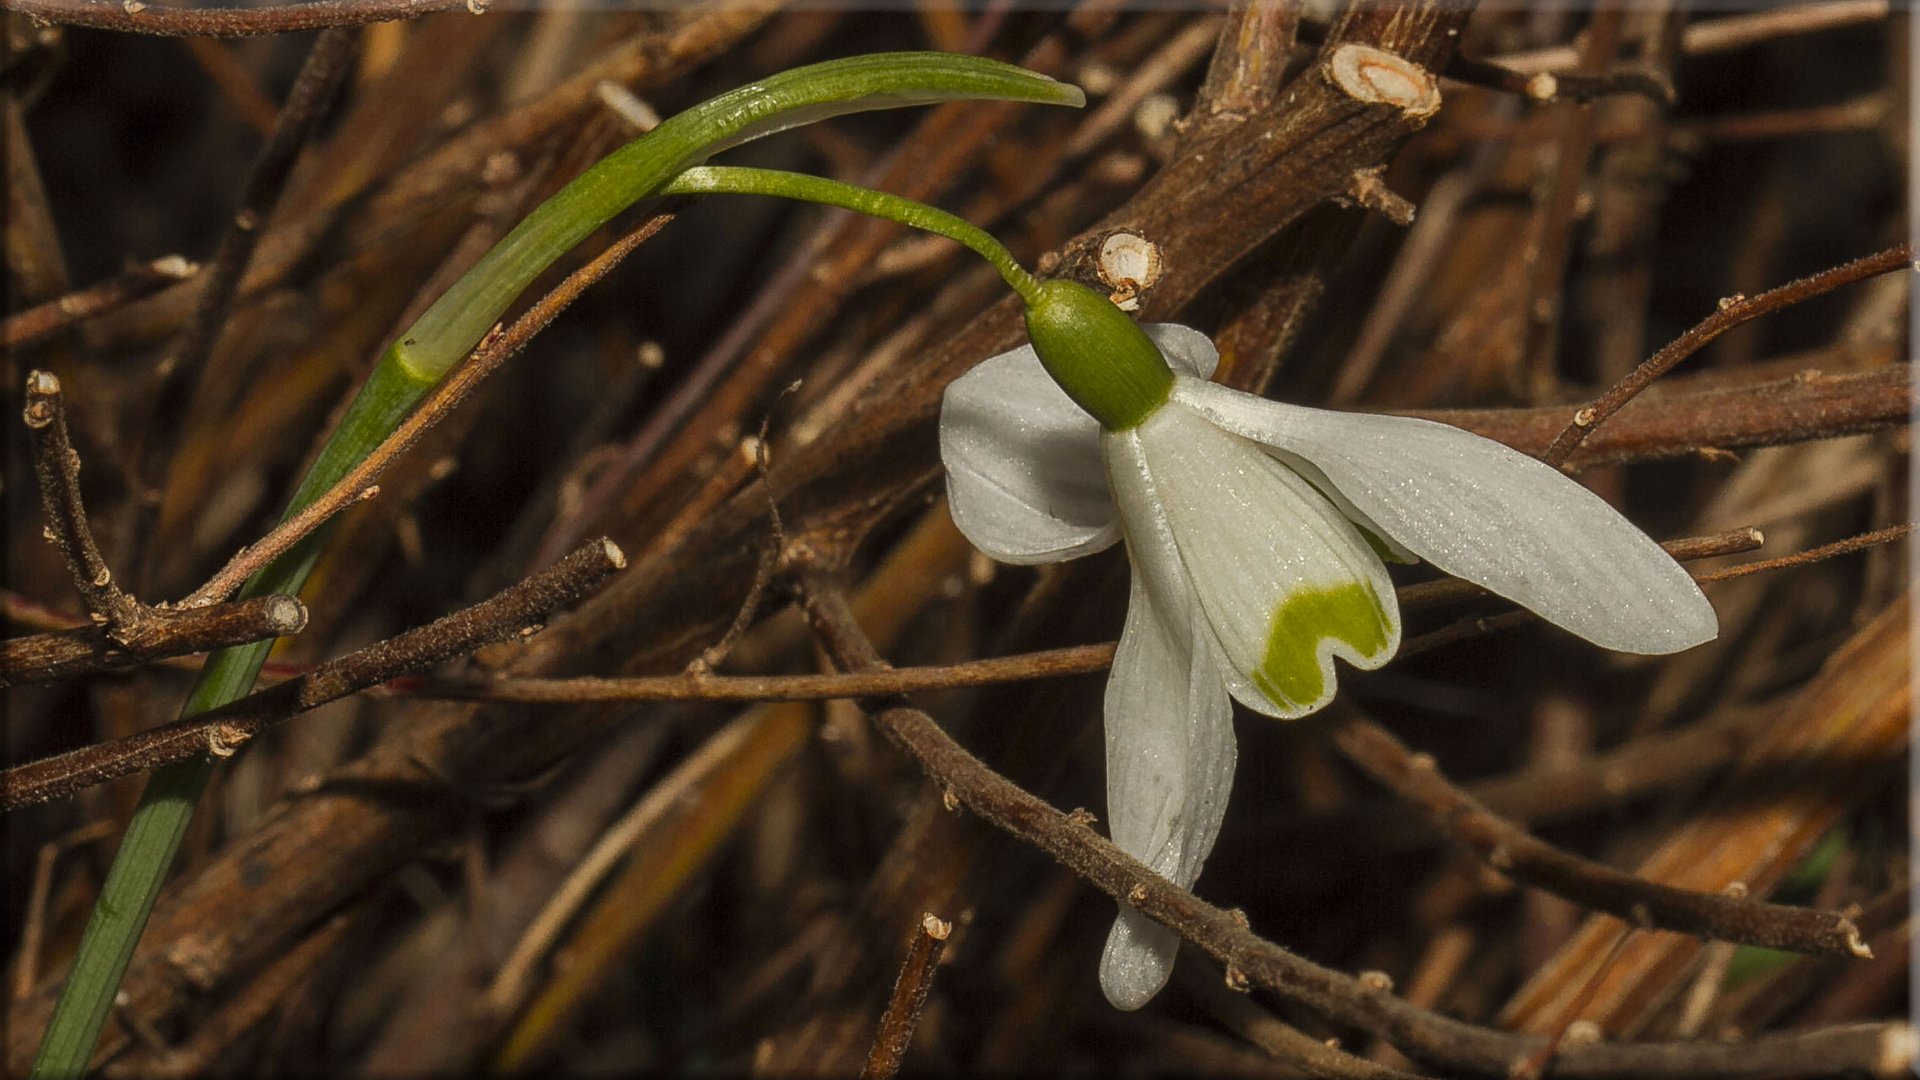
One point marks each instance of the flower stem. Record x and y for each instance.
(731, 180)
(411, 366)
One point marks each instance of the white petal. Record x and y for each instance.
(1138, 959)
(1490, 514)
(1284, 579)
(1024, 478)
(1170, 748)
(1187, 349)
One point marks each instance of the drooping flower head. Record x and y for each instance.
(1257, 533)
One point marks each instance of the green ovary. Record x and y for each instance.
(1289, 673)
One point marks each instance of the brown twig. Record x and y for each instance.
(1561, 86)
(909, 996)
(1732, 32)
(1251, 56)
(326, 65)
(1882, 1049)
(1863, 113)
(1548, 242)
(496, 350)
(1732, 313)
(57, 466)
(1812, 555)
(1812, 405)
(64, 654)
(1043, 664)
(225, 730)
(140, 18)
(36, 324)
(1518, 854)
(1323, 1060)
(1074, 660)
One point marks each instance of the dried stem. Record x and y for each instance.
(225, 730)
(1074, 660)
(1562, 86)
(1341, 998)
(1732, 313)
(326, 65)
(909, 996)
(459, 384)
(1514, 852)
(1812, 555)
(58, 469)
(166, 21)
(1251, 56)
(1043, 664)
(36, 324)
(64, 654)
(1732, 32)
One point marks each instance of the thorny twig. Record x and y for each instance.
(1876, 1048)
(225, 730)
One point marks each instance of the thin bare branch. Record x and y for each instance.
(326, 65)
(1074, 660)
(358, 484)
(36, 324)
(1733, 312)
(909, 996)
(225, 730)
(1043, 664)
(1813, 555)
(57, 466)
(1732, 32)
(139, 18)
(65, 654)
(1518, 854)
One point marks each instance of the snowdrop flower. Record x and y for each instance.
(1256, 532)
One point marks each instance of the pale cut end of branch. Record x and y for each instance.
(285, 615)
(615, 557)
(1129, 265)
(1377, 77)
(934, 926)
(42, 388)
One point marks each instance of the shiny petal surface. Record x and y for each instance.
(1170, 746)
(1024, 478)
(1284, 580)
(1188, 350)
(1489, 514)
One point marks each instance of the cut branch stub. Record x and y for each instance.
(1377, 77)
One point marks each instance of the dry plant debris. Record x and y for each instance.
(1655, 246)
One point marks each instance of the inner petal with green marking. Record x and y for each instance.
(1291, 671)
(1286, 581)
